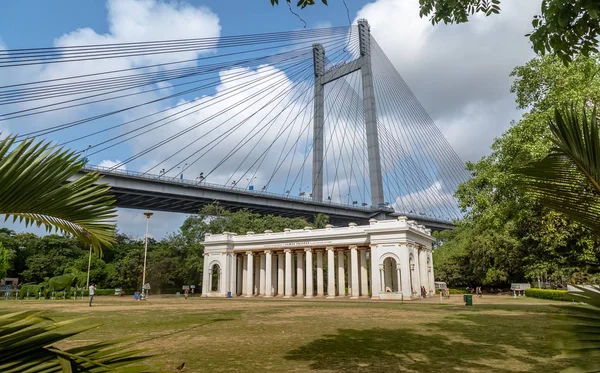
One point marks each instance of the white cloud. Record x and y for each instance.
(460, 73)
(129, 21)
(133, 223)
(108, 163)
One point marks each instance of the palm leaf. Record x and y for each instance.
(34, 190)
(583, 324)
(568, 179)
(27, 345)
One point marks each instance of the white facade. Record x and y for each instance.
(388, 259)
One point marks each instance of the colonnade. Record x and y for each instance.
(336, 272)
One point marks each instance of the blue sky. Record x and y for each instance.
(46, 20)
(459, 73)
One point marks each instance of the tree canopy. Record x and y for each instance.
(174, 261)
(507, 235)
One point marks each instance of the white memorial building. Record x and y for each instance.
(388, 259)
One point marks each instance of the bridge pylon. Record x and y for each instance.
(362, 63)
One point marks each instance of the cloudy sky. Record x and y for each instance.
(459, 73)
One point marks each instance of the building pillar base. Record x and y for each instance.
(287, 296)
(308, 296)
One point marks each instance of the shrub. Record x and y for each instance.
(548, 294)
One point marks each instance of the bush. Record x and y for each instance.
(548, 294)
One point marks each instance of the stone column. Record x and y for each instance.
(244, 275)
(381, 279)
(263, 274)
(354, 270)
(256, 270)
(288, 273)
(399, 277)
(320, 273)
(423, 268)
(309, 273)
(364, 274)
(232, 273)
(348, 268)
(280, 274)
(300, 274)
(416, 273)
(268, 273)
(404, 271)
(205, 276)
(250, 274)
(293, 273)
(274, 278)
(430, 271)
(341, 275)
(239, 275)
(330, 274)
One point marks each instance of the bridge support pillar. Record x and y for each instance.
(363, 63)
(375, 175)
(318, 122)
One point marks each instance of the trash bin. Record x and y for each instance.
(136, 295)
(468, 298)
(228, 294)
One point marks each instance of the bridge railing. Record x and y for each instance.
(204, 184)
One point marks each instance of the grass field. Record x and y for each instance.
(497, 334)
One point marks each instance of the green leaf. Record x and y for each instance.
(35, 189)
(568, 179)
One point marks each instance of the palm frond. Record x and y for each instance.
(38, 187)
(583, 324)
(568, 179)
(27, 345)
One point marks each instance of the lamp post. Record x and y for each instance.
(87, 286)
(148, 215)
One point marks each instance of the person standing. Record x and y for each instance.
(92, 292)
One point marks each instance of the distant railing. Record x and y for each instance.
(205, 185)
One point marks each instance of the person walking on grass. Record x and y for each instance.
(92, 292)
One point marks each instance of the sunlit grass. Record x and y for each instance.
(297, 336)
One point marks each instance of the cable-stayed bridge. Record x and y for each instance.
(292, 123)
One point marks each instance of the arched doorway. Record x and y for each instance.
(390, 276)
(215, 277)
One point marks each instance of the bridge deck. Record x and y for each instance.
(152, 192)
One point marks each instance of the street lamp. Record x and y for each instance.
(87, 286)
(148, 215)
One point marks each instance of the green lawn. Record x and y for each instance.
(297, 336)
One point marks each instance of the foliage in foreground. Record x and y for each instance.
(27, 344)
(34, 189)
(568, 179)
(584, 325)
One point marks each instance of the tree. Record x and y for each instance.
(507, 234)
(565, 28)
(35, 189)
(4, 261)
(301, 3)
